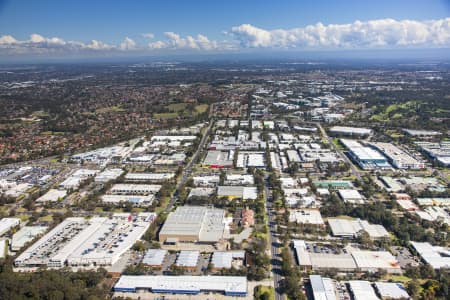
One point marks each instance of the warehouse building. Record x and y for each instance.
(237, 192)
(225, 259)
(436, 256)
(79, 176)
(6, 224)
(366, 157)
(391, 290)
(151, 177)
(80, 242)
(192, 285)
(25, 235)
(306, 216)
(352, 228)
(397, 157)
(53, 195)
(187, 259)
(135, 200)
(201, 192)
(362, 290)
(108, 175)
(322, 288)
(206, 180)
(351, 131)
(356, 261)
(194, 224)
(250, 159)
(219, 159)
(239, 179)
(154, 257)
(351, 196)
(135, 189)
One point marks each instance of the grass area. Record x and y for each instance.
(337, 144)
(171, 115)
(23, 218)
(260, 290)
(39, 114)
(175, 107)
(114, 108)
(48, 218)
(201, 108)
(53, 133)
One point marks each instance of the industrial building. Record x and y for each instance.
(53, 195)
(6, 224)
(201, 192)
(391, 290)
(237, 192)
(250, 159)
(351, 196)
(356, 261)
(362, 290)
(224, 259)
(351, 131)
(86, 242)
(322, 288)
(135, 189)
(436, 256)
(194, 224)
(154, 257)
(397, 157)
(306, 216)
(108, 175)
(352, 228)
(74, 180)
(206, 180)
(367, 158)
(187, 259)
(135, 200)
(219, 159)
(152, 177)
(239, 179)
(193, 285)
(25, 235)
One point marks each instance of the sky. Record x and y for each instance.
(51, 28)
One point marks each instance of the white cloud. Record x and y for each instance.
(175, 42)
(127, 44)
(7, 39)
(385, 33)
(148, 35)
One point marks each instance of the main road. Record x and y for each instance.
(185, 174)
(274, 244)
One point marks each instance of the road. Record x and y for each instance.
(353, 168)
(188, 169)
(274, 244)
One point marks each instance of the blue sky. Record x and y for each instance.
(116, 23)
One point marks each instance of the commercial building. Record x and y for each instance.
(237, 192)
(250, 159)
(322, 288)
(135, 189)
(206, 180)
(187, 259)
(333, 184)
(224, 259)
(239, 179)
(173, 138)
(366, 157)
(135, 200)
(6, 224)
(351, 131)
(362, 290)
(391, 290)
(352, 228)
(194, 224)
(154, 257)
(74, 180)
(397, 157)
(25, 235)
(356, 261)
(52, 195)
(351, 196)
(80, 242)
(201, 192)
(151, 177)
(436, 256)
(306, 216)
(193, 285)
(108, 175)
(219, 159)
